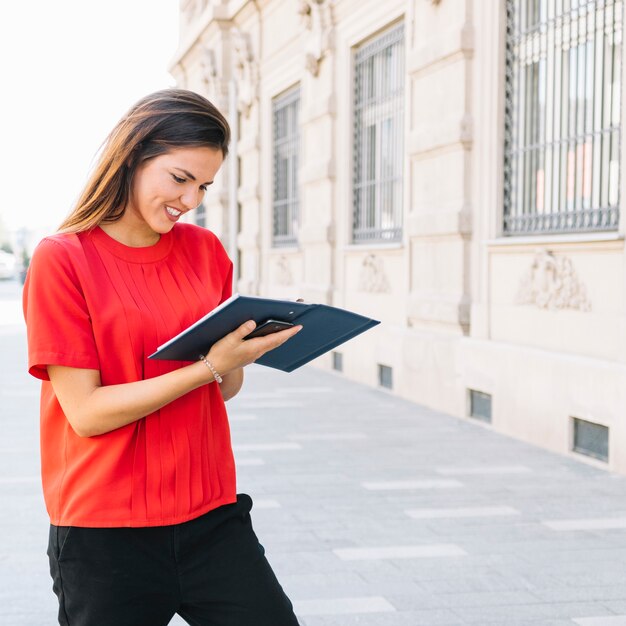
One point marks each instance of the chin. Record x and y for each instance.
(163, 228)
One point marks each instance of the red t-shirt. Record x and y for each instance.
(91, 302)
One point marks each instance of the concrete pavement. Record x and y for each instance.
(373, 510)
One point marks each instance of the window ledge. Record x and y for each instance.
(359, 247)
(555, 239)
(289, 249)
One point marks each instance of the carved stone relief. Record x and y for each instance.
(283, 272)
(373, 278)
(466, 129)
(552, 283)
(246, 71)
(210, 75)
(317, 16)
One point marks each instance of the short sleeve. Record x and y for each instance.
(58, 322)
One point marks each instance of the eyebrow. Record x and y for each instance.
(190, 175)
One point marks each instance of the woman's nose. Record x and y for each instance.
(191, 199)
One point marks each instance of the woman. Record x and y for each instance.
(137, 464)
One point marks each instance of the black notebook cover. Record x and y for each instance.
(324, 327)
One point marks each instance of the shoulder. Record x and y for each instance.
(56, 247)
(52, 277)
(202, 239)
(60, 253)
(192, 232)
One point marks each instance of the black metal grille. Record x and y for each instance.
(562, 117)
(378, 138)
(286, 163)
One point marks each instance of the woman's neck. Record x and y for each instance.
(133, 237)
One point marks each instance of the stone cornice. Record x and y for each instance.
(219, 13)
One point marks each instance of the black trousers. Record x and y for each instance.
(212, 571)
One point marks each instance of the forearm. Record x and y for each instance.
(106, 408)
(93, 409)
(114, 406)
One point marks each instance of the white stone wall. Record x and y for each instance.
(536, 322)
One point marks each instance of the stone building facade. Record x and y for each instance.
(450, 167)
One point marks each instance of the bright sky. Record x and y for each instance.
(69, 70)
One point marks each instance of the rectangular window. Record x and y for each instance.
(562, 116)
(338, 361)
(286, 141)
(378, 138)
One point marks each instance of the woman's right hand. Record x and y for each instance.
(233, 351)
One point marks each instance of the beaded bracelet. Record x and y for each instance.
(216, 376)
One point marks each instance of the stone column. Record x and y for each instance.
(317, 172)
(203, 65)
(440, 143)
(245, 46)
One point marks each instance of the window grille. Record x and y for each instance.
(378, 138)
(562, 116)
(480, 405)
(286, 163)
(385, 376)
(591, 439)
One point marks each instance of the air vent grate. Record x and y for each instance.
(480, 405)
(385, 376)
(591, 439)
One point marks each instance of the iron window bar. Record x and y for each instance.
(286, 142)
(378, 138)
(562, 116)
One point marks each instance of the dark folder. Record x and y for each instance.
(324, 327)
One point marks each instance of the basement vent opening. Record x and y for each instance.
(591, 439)
(385, 376)
(480, 405)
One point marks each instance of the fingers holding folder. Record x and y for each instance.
(234, 350)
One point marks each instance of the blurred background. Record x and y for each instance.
(70, 70)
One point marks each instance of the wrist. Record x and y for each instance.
(211, 367)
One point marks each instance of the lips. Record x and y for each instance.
(172, 213)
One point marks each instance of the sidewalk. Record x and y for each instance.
(374, 511)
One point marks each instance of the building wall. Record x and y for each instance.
(538, 323)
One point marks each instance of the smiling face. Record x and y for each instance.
(164, 188)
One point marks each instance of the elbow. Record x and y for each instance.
(81, 427)
(83, 419)
(82, 431)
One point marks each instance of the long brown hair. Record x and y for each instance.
(158, 123)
